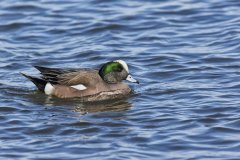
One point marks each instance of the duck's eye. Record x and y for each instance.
(119, 69)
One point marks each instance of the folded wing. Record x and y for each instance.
(69, 77)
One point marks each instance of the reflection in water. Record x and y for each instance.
(77, 105)
(184, 52)
(119, 105)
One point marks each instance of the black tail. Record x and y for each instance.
(40, 83)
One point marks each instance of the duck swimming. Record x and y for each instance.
(89, 84)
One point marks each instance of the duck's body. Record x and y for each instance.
(89, 84)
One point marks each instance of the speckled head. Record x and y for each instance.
(116, 71)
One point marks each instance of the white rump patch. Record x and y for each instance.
(79, 87)
(123, 63)
(48, 89)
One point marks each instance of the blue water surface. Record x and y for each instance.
(185, 53)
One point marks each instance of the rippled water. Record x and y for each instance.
(185, 53)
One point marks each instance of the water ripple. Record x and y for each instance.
(184, 53)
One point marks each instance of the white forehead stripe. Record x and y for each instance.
(124, 64)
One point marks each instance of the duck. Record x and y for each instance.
(88, 84)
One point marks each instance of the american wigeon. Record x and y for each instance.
(86, 83)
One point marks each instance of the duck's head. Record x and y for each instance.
(116, 71)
